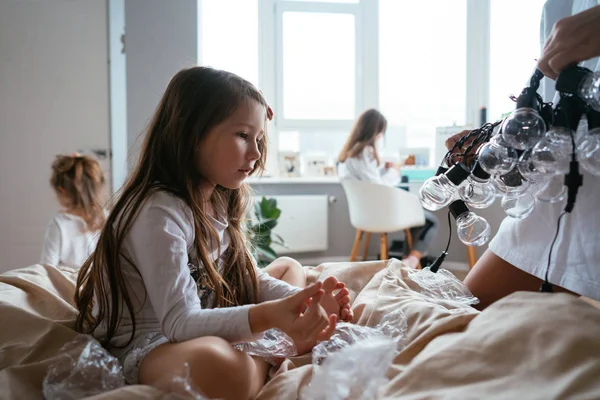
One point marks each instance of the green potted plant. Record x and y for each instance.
(260, 231)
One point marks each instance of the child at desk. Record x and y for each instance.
(359, 159)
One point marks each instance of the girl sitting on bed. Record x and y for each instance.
(172, 280)
(359, 159)
(71, 235)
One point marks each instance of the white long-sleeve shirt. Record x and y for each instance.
(159, 244)
(67, 241)
(365, 168)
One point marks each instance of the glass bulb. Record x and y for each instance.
(523, 128)
(436, 193)
(496, 159)
(551, 191)
(472, 229)
(588, 152)
(512, 183)
(518, 207)
(589, 90)
(477, 193)
(529, 170)
(552, 154)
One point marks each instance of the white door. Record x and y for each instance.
(54, 98)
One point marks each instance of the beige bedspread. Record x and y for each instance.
(527, 346)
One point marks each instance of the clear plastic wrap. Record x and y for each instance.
(273, 346)
(357, 371)
(178, 386)
(443, 285)
(354, 362)
(392, 326)
(345, 335)
(84, 369)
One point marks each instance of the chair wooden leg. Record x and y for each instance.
(409, 242)
(409, 239)
(384, 246)
(356, 245)
(471, 256)
(367, 240)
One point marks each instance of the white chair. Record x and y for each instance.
(377, 208)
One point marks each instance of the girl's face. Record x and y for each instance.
(229, 151)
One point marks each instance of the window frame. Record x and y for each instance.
(367, 57)
(366, 12)
(283, 6)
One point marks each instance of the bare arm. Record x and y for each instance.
(492, 278)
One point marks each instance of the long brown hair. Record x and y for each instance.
(195, 101)
(79, 181)
(366, 128)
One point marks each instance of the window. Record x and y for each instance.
(317, 52)
(229, 40)
(321, 63)
(514, 47)
(318, 66)
(422, 68)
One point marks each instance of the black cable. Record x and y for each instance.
(449, 233)
(535, 80)
(547, 286)
(479, 136)
(573, 179)
(484, 136)
(435, 266)
(571, 129)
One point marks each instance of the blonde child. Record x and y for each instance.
(172, 280)
(71, 235)
(359, 159)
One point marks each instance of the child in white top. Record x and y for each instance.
(72, 233)
(172, 280)
(359, 159)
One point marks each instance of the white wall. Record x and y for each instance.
(53, 99)
(161, 39)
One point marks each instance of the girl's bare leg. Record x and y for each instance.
(215, 368)
(288, 270)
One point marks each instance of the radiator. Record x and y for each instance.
(302, 224)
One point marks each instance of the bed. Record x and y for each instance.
(528, 345)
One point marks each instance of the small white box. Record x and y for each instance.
(314, 164)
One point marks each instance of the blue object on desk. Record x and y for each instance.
(421, 174)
